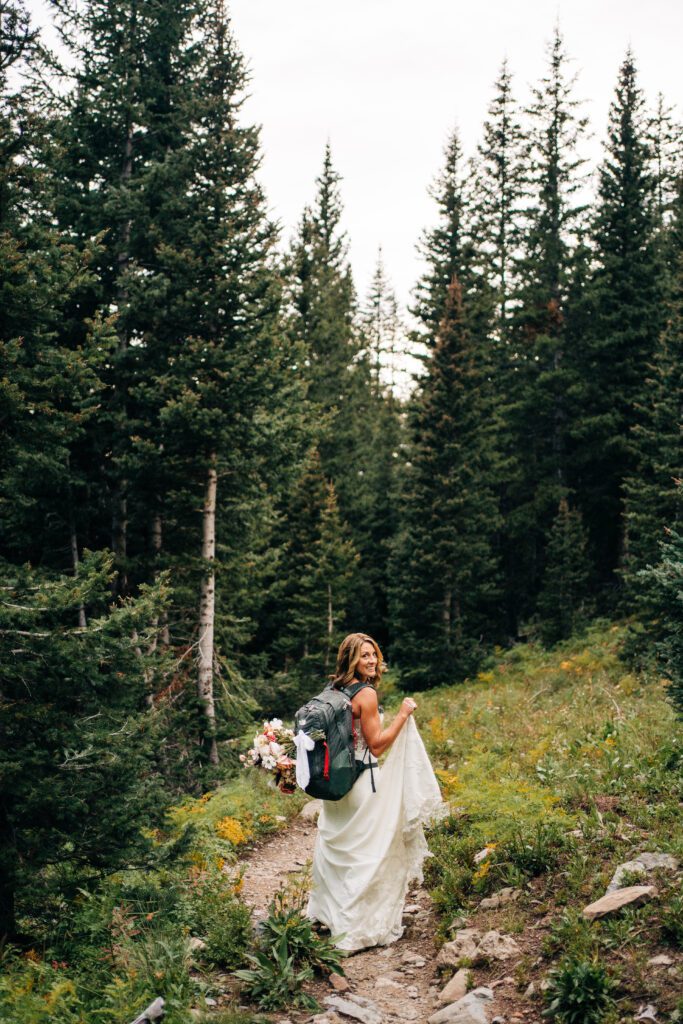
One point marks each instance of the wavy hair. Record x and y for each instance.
(348, 657)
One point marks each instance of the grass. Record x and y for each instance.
(562, 764)
(116, 948)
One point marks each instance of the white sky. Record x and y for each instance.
(385, 81)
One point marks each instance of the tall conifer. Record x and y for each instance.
(652, 491)
(501, 171)
(542, 412)
(627, 317)
(445, 578)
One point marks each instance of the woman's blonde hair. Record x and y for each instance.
(348, 657)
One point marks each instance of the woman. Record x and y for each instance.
(370, 844)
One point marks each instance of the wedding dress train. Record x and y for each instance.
(370, 846)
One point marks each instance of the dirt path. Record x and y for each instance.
(400, 981)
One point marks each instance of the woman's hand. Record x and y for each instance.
(407, 707)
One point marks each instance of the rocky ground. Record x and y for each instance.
(415, 979)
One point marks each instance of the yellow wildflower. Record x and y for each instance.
(482, 871)
(230, 829)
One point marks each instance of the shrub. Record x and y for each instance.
(210, 907)
(35, 991)
(672, 922)
(662, 588)
(286, 918)
(580, 992)
(288, 955)
(570, 933)
(274, 982)
(155, 964)
(532, 851)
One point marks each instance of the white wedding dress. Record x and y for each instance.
(370, 846)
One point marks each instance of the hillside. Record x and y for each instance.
(561, 765)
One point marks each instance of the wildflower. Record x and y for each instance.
(231, 830)
(482, 871)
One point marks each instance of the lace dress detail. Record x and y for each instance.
(360, 747)
(371, 846)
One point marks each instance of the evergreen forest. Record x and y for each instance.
(215, 463)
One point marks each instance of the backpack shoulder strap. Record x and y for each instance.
(355, 688)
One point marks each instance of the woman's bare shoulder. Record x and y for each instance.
(367, 698)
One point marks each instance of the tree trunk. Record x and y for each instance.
(207, 606)
(330, 627)
(120, 511)
(157, 536)
(446, 613)
(8, 925)
(73, 544)
(458, 619)
(119, 539)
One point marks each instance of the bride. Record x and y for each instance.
(370, 844)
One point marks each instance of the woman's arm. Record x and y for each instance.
(378, 739)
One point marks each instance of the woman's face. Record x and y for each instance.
(367, 664)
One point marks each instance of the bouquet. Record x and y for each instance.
(272, 751)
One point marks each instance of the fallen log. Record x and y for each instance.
(154, 1011)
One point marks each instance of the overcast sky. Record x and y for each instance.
(385, 81)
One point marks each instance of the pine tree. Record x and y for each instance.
(74, 733)
(323, 296)
(449, 251)
(626, 320)
(498, 216)
(383, 434)
(322, 301)
(341, 384)
(50, 379)
(382, 331)
(664, 144)
(501, 172)
(563, 599)
(661, 608)
(652, 500)
(445, 578)
(129, 67)
(541, 413)
(318, 571)
(229, 396)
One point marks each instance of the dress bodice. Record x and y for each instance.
(360, 747)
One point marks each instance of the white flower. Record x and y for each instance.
(269, 762)
(276, 749)
(276, 723)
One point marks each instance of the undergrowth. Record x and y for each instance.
(557, 766)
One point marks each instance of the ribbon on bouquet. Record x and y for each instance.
(303, 744)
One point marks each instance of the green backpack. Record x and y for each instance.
(332, 761)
